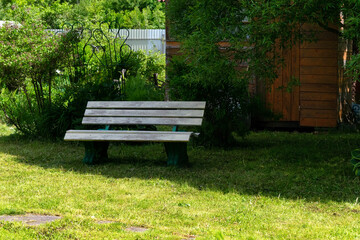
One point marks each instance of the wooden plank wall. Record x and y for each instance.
(319, 81)
(281, 99)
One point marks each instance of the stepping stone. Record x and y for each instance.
(29, 219)
(104, 222)
(136, 229)
(190, 237)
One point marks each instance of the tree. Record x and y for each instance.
(53, 14)
(253, 30)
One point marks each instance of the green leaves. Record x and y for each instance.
(54, 14)
(355, 160)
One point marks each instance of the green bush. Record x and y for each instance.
(208, 72)
(139, 89)
(47, 80)
(48, 123)
(29, 57)
(131, 14)
(216, 82)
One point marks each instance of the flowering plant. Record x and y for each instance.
(28, 58)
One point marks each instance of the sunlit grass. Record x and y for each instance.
(272, 186)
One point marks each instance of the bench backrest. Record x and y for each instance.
(175, 113)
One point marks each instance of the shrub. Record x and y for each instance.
(206, 71)
(47, 80)
(29, 57)
(215, 81)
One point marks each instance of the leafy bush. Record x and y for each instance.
(47, 80)
(215, 81)
(139, 89)
(29, 57)
(355, 160)
(131, 14)
(207, 72)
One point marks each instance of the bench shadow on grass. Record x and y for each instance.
(310, 167)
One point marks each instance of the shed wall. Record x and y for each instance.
(315, 65)
(319, 81)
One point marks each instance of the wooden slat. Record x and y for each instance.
(311, 70)
(329, 88)
(111, 135)
(142, 121)
(319, 79)
(323, 53)
(146, 104)
(313, 27)
(311, 96)
(318, 122)
(277, 94)
(173, 44)
(173, 52)
(322, 62)
(143, 113)
(321, 35)
(318, 113)
(320, 45)
(295, 114)
(286, 96)
(328, 105)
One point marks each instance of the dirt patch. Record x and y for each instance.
(29, 219)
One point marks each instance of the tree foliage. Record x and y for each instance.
(253, 31)
(53, 14)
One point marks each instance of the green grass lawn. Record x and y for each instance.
(272, 186)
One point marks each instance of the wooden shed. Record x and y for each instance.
(321, 95)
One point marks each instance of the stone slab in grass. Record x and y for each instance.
(30, 219)
(136, 229)
(104, 222)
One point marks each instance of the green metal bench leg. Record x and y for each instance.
(177, 154)
(95, 152)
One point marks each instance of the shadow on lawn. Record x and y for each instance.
(294, 166)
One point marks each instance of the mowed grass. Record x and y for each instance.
(274, 185)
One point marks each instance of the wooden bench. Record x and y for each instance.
(110, 113)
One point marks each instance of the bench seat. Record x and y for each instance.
(132, 136)
(138, 113)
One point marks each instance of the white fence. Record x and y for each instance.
(141, 39)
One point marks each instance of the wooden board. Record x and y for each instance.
(320, 88)
(318, 113)
(142, 121)
(321, 62)
(318, 122)
(279, 99)
(143, 113)
(319, 79)
(146, 104)
(312, 70)
(287, 105)
(328, 105)
(295, 72)
(318, 53)
(173, 44)
(111, 135)
(313, 27)
(314, 96)
(321, 35)
(320, 45)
